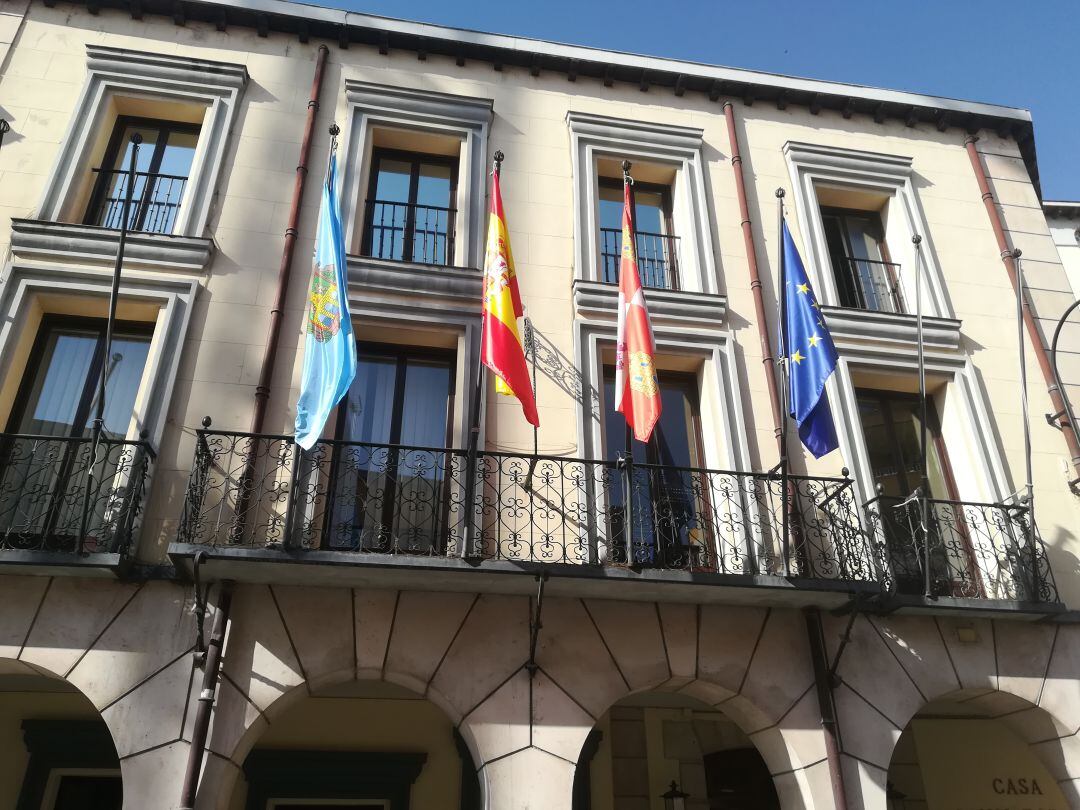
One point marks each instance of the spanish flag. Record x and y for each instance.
(637, 390)
(500, 343)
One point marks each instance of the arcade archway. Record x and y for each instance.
(58, 753)
(956, 752)
(360, 745)
(648, 740)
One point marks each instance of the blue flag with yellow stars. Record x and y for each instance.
(810, 353)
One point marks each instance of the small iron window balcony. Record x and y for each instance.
(407, 232)
(155, 201)
(868, 284)
(657, 258)
(976, 550)
(48, 482)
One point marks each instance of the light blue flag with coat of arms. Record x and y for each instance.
(329, 346)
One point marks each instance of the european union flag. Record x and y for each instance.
(329, 347)
(810, 353)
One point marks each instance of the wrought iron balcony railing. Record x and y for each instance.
(658, 262)
(868, 284)
(155, 201)
(973, 550)
(259, 492)
(47, 482)
(409, 233)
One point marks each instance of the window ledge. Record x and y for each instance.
(973, 608)
(892, 332)
(351, 569)
(43, 239)
(58, 563)
(417, 279)
(676, 307)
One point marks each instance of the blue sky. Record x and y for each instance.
(999, 51)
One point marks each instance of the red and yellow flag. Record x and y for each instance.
(500, 343)
(637, 390)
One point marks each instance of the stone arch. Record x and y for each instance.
(751, 663)
(361, 707)
(896, 664)
(524, 725)
(127, 646)
(54, 738)
(984, 736)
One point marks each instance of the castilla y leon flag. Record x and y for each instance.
(501, 349)
(637, 391)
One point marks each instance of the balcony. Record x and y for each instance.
(409, 233)
(49, 486)
(658, 263)
(378, 514)
(973, 551)
(155, 201)
(868, 284)
(350, 513)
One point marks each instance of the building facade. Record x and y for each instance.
(195, 614)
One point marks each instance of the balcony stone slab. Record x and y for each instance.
(34, 239)
(414, 284)
(890, 339)
(683, 308)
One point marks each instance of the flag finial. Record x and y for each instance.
(499, 158)
(780, 194)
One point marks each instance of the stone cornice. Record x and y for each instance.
(166, 67)
(466, 109)
(89, 244)
(692, 310)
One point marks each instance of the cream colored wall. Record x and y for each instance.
(21, 704)
(1063, 231)
(225, 347)
(358, 724)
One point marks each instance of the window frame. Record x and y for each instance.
(62, 745)
(401, 353)
(123, 73)
(414, 159)
(165, 128)
(596, 137)
(844, 215)
(886, 397)
(671, 272)
(50, 322)
(686, 379)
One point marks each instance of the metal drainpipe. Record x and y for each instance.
(201, 726)
(1056, 395)
(826, 703)
(767, 358)
(266, 374)
(212, 665)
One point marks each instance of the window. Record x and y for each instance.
(669, 168)
(161, 172)
(45, 492)
(59, 393)
(87, 791)
(390, 478)
(890, 424)
(657, 246)
(72, 765)
(865, 278)
(409, 213)
(666, 491)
